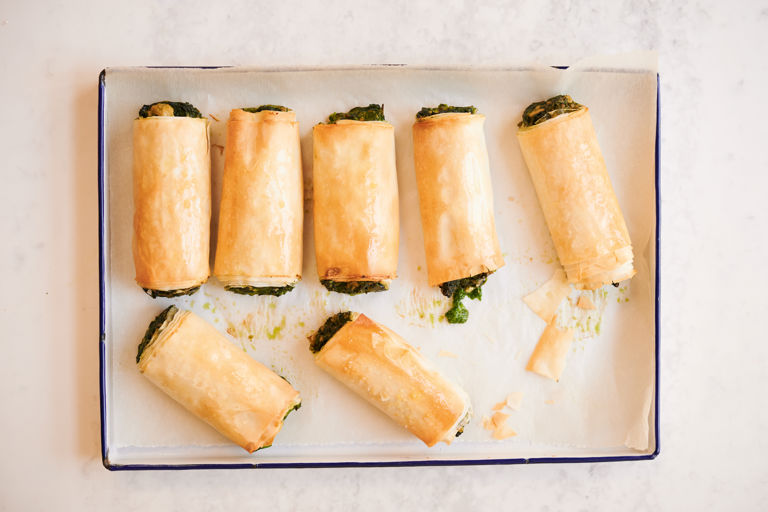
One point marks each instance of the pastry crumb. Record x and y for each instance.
(503, 432)
(445, 353)
(514, 400)
(499, 418)
(585, 302)
(511, 401)
(497, 425)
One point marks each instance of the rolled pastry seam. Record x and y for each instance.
(455, 196)
(381, 367)
(548, 358)
(576, 196)
(198, 367)
(259, 247)
(172, 202)
(355, 197)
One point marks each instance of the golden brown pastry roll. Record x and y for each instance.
(171, 199)
(456, 201)
(194, 364)
(259, 243)
(381, 367)
(355, 201)
(560, 147)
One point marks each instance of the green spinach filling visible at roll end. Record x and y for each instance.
(169, 109)
(153, 331)
(444, 109)
(294, 408)
(354, 287)
(261, 108)
(169, 294)
(459, 289)
(275, 291)
(463, 423)
(331, 326)
(372, 112)
(541, 111)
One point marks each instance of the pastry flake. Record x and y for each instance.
(547, 298)
(548, 358)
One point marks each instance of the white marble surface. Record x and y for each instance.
(714, 232)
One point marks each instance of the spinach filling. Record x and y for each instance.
(275, 291)
(154, 327)
(444, 109)
(170, 109)
(294, 408)
(463, 423)
(459, 289)
(261, 108)
(170, 293)
(331, 326)
(354, 287)
(372, 112)
(541, 111)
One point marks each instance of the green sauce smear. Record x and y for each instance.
(170, 293)
(261, 108)
(538, 112)
(331, 326)
(459, 289)
(275, 291)
(167, 314)
(180, 109)
(354, 287)
(444, 109)
(372, 112)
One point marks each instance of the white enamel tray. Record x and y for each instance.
(607, 398)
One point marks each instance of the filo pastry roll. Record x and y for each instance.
(356, 220)
(381, 367)
(194, 364)
(560, 148)
(171, 199)
(456, 202)
(260, 222)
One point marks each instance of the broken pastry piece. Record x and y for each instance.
(512, 401)
(171, 199)
(355, 195)
(194, 364)
(560, 148)
(498, 425)
(456, 203)
(548, 358)
(384, 369)
(545, 300)
(259, 247)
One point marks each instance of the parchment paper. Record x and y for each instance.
(602, 404)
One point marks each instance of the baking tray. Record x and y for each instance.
(121, 301)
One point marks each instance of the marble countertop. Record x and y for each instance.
(714, 225)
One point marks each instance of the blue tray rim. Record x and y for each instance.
(465, 462)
